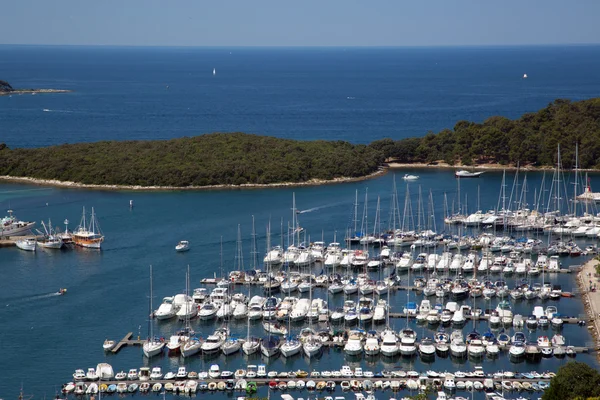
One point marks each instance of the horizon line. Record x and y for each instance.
(306, 46)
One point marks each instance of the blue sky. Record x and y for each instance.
(299, 23)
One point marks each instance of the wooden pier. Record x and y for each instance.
(127, 341)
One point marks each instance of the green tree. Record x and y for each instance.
(574, 380)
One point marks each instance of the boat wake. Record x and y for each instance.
(319, 208)
(9, 302)
(57, 111)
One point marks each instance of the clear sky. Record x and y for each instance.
(299, 23)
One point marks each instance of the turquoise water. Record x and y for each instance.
(108, 290)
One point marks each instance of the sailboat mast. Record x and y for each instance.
(150, 324)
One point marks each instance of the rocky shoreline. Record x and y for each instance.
(591, 299)
(481, 167)
(76, 185)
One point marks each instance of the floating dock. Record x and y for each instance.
(127, 341)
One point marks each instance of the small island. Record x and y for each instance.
(6, 89)
(220, 160)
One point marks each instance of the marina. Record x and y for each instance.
(444, 296)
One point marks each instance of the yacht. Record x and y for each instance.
(255, 307)
(274, 257)
(213, 342)
(188, 310)
(475, 346)
(334, 256)
(372, 347)
(166, 310)
(240, 311)
(427, 348)
(408, 338)
(208, 311)
(458, 348)
(389, 343)
(516, 351)
(354, 344)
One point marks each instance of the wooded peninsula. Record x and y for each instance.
(242, 159)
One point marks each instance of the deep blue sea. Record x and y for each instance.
(146, 93)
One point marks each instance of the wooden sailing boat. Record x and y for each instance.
(88, 235)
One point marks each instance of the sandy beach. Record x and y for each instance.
(76, 185)
(591, 299)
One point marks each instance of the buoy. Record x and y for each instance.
(130, 203)
(524, 76)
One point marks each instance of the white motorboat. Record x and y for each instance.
(409, 177)
(274, 257)
(91, 374)
(208, 311)
(108, 345)
(255, 307)
(214, 371)
(188, 310)
(354, 344)
(166, 310)
(408, 338)
(182, 246)
(389, 343)
(372, 347)
(427, 348)
(27, 244)
(213, 343)
(156, 374)
(516, 351)
(467, 174)
(225, 310)
(240, 311)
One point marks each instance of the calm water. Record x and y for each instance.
(356, 95)
(108, 290)
(350, 94)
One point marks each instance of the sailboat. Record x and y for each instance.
(312, 345)
(152, 346)
(90, 235)
(292, 345)
(190, 345)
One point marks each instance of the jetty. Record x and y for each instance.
(127, 341)
(10, 241)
